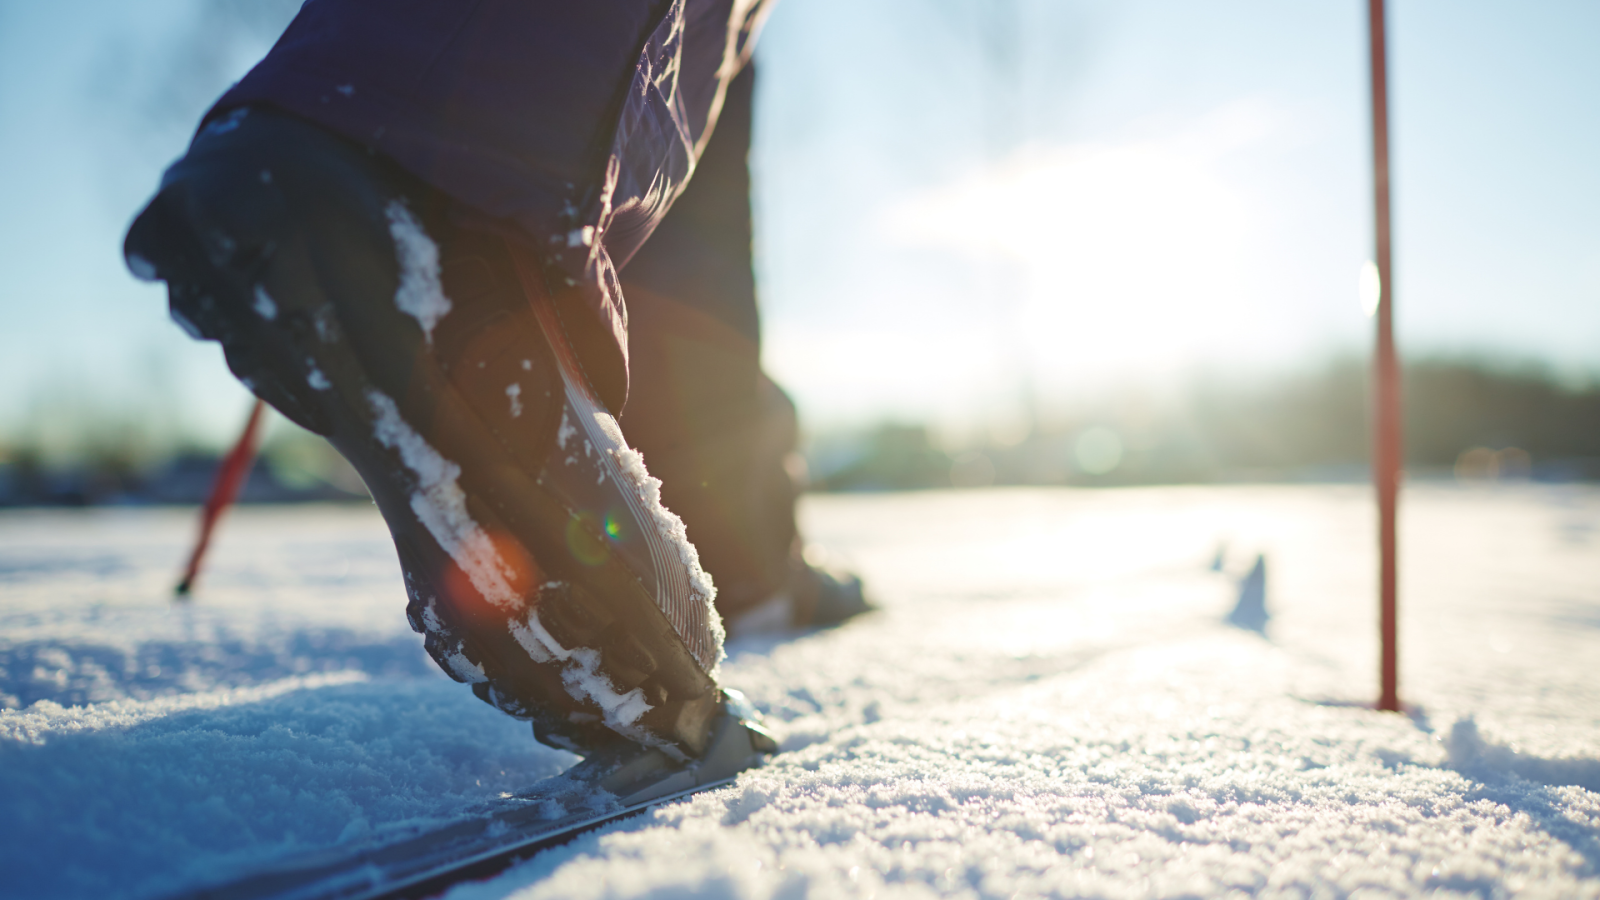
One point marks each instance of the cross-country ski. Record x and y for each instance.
(608, 785)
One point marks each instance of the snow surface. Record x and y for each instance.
(1050, 704)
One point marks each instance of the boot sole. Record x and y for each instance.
(572, 638)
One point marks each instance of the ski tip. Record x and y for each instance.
(761, 739)
(739, 706)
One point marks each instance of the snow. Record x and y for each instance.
(684, 591)
(264, 305)
(441, 506)
(1050, 704)
(514, 394)
(455, 662)
(421, 294)
(671, 530)
(566, 432)
(583, 678)
(315, 378)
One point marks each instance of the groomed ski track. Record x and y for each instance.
(1050, 705)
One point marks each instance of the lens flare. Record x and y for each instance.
(1370, 288)
(585, 541)
(510, 561)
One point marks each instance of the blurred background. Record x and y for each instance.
(999, 242)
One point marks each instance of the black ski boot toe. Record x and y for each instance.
(540, 565)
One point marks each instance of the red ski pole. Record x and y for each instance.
(1386, 444)
(230, 478)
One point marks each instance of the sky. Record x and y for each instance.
(964, 209)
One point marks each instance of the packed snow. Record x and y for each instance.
(685, 592)
(1052, 702)
(441, 506)
(693, 616)
(421, 295)
(583, 678)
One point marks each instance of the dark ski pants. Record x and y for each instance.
(572, 128)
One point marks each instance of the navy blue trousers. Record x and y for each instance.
(574, 128)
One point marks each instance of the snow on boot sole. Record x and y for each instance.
(534, 557)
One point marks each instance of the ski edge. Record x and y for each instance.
(492, 862)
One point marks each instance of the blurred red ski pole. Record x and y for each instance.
(230, 478)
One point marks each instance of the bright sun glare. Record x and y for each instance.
(1109, 256)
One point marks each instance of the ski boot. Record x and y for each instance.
(540, 565)
(724, 438)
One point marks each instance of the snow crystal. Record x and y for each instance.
(514, 392)
(441, 506)
(421, 295)
(264, 306)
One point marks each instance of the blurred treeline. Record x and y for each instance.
(1465, 418)
(84, 455)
